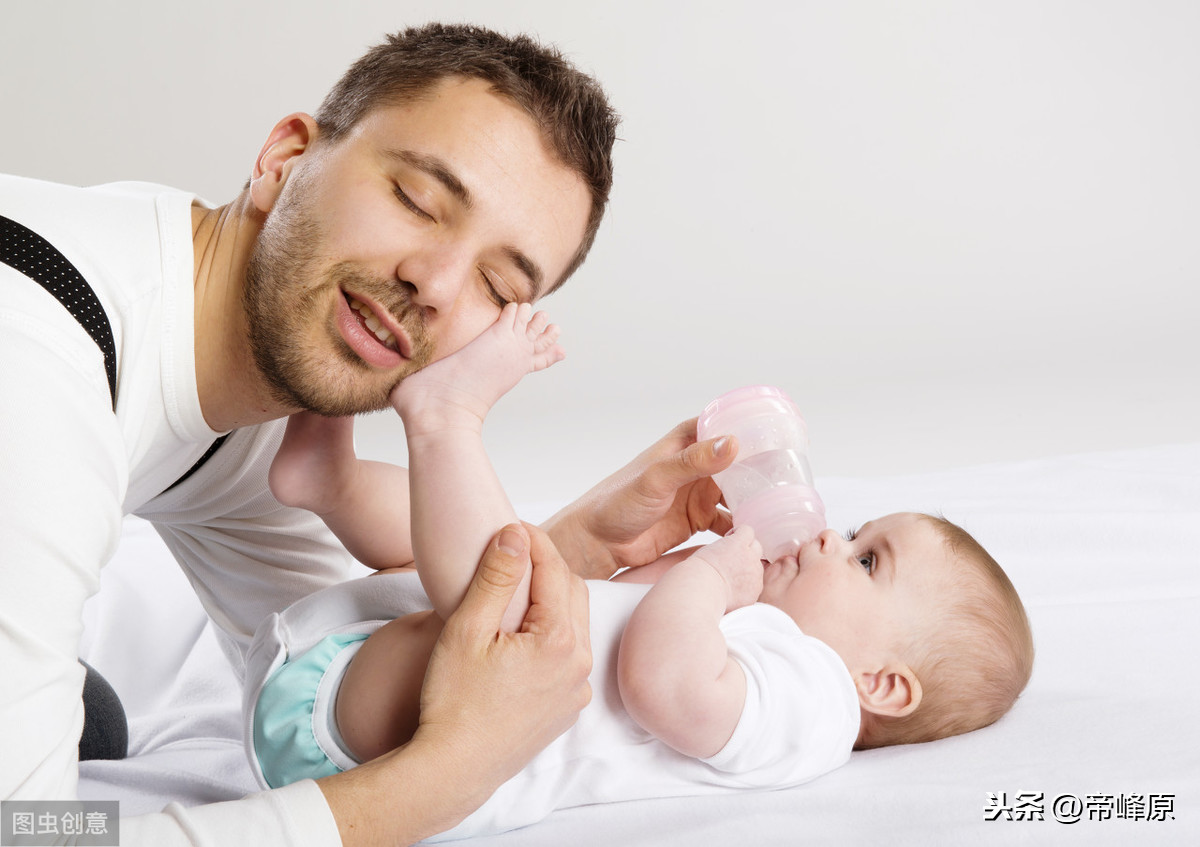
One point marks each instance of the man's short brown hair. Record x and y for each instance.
(568, 106)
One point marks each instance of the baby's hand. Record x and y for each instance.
(738, 559)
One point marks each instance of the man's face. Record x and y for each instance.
(399, 243)
(864, 595)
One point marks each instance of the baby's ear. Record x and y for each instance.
(892, 691)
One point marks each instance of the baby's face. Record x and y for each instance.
(863, 595)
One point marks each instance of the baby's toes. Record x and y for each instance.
(547, 339)
(524, 316)
(537, 324)
(510, 316)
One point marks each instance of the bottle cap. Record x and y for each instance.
(762, 417)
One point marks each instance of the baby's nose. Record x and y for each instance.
(827, 540)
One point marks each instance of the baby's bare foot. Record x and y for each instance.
(466, 384)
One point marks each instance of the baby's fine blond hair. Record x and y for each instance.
(972, 659)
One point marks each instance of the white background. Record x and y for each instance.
(956, 233)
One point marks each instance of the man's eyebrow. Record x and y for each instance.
(440, 171)
(528, 267)
(437, 169)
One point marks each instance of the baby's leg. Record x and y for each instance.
(457, 501)
(379, 702)
(315, 463)
(364, 503)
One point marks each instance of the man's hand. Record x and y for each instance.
(498, 698)
(490, 702)
(656, 502)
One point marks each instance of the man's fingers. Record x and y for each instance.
(556, 595)
(550, 572)
(704, 458)
(500, 572)
(722, 522)
(704, 511)
(558, 612)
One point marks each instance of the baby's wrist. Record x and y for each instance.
(718, 583)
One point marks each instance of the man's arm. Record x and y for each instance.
(676, 677)
(653, 504)
(61, 486)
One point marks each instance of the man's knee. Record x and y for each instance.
(105, 728)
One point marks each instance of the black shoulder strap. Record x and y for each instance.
(199, 462)
(26, 251)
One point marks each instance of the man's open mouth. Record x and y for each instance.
(372, 323)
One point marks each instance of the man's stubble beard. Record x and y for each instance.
(286, 295)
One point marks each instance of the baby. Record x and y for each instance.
(712, 670)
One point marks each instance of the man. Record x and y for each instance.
(450, 171)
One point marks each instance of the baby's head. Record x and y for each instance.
(928, 624)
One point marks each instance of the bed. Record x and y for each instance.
(1103, 747)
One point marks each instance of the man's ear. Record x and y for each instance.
(288, 140)
(893, 691)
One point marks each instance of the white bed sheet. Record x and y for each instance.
(1103, 548)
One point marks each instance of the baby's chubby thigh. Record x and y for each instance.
(379, 702)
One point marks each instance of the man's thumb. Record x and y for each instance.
(500, 572)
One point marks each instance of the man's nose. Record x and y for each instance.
(435, 279)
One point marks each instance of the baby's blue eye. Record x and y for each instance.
(867, 560)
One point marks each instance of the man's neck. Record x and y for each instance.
(231, 392)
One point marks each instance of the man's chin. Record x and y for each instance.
(328, 402)
(344, 406)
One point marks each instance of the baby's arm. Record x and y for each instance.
(364, 503)
(652, 573)
(457, 501)
(676, 677)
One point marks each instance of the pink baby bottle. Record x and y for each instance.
(769, 487)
